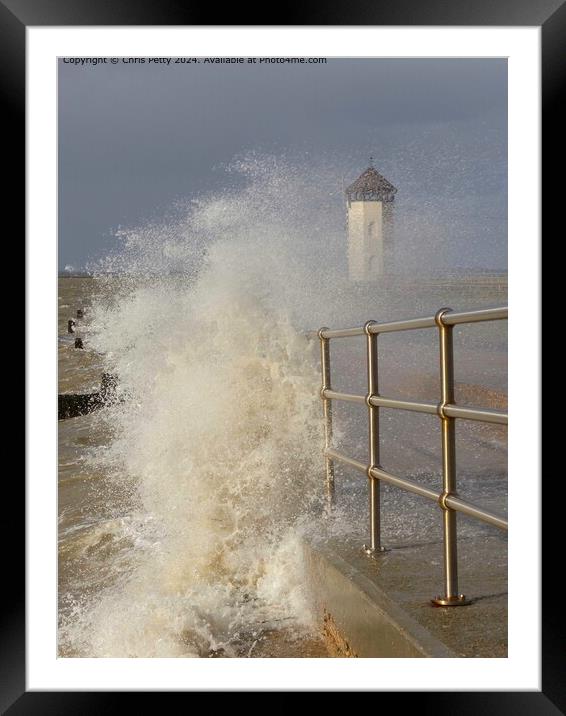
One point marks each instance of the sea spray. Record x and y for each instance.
(216, 444)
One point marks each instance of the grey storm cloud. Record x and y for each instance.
(133, 138)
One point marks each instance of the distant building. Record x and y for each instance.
(370, 226)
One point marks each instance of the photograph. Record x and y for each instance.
(282, 357)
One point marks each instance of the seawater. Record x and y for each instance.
(182, 505)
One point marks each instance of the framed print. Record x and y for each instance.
(276, 444)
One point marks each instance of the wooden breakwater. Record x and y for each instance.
(71, 405)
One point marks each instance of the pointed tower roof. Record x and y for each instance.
(371, 186)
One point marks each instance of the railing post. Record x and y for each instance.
(373, 420)
(327, 413)
(451, 596)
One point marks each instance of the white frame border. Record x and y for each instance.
(521, 670)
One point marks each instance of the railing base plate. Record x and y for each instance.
(458, 601)
(373, 553)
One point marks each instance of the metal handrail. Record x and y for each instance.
(453, 411)
(411, 324)
(447, 411)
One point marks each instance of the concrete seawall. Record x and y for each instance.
(381, 608)
(359, 619)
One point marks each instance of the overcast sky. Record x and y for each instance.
(134, 138)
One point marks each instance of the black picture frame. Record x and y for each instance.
(15, 16)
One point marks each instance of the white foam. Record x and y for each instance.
(220, 436)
